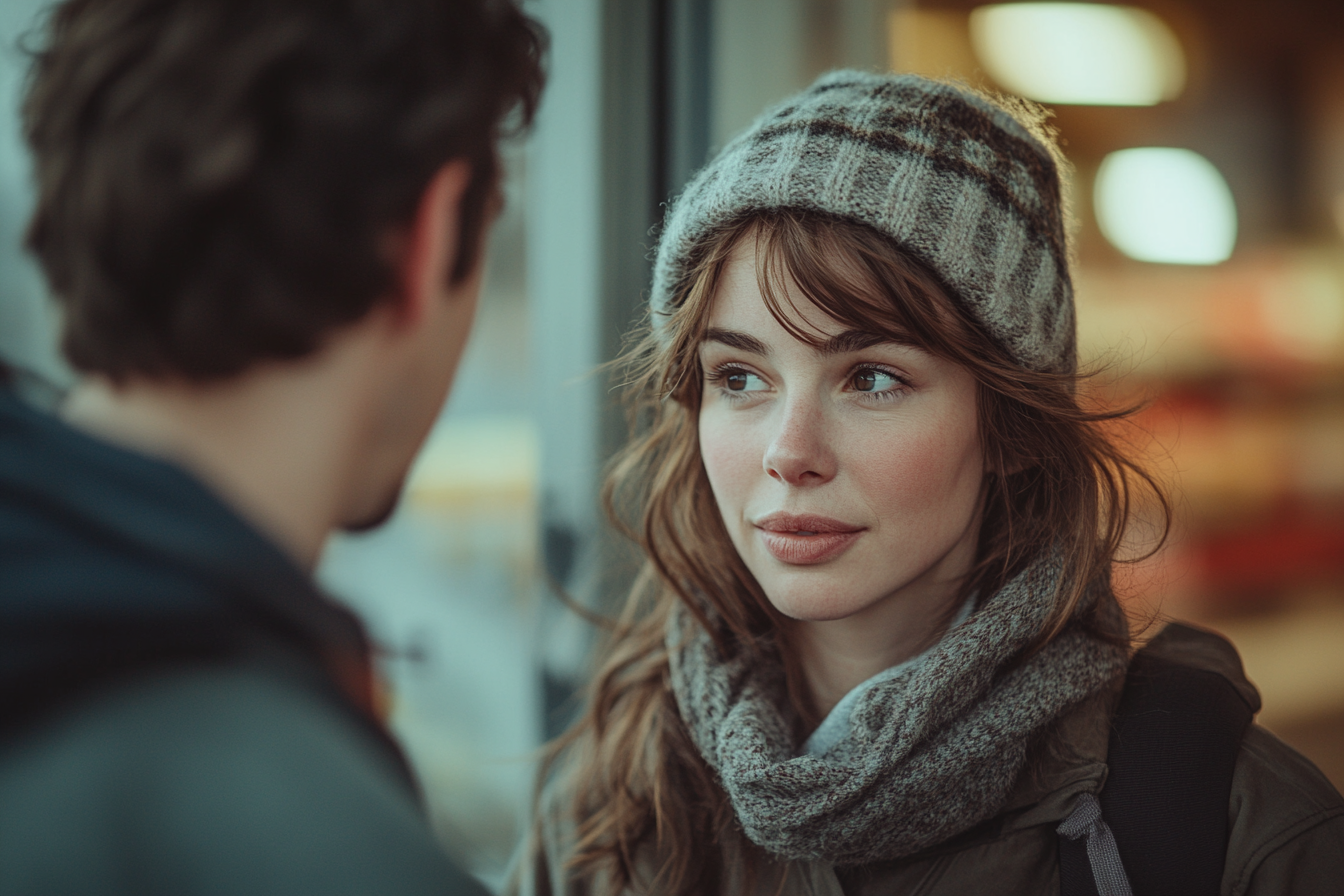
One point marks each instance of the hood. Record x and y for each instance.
(112, 561)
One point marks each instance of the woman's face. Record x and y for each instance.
(848, 476)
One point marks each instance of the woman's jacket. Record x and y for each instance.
(1286, 821)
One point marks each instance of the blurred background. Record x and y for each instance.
(1208, 143)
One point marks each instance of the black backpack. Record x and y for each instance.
(1173, 748)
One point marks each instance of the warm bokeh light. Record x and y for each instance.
(1082, 53)
(1305, 313)
(1165, 205)
(930, 42)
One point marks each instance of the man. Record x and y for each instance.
(263, 222)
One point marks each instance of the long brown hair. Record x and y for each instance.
(648, 812)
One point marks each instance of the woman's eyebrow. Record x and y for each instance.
(839, 344)
(738, 340)
(858, 340)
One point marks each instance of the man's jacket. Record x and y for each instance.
(181, 711)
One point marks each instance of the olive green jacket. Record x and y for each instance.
(1286, 823)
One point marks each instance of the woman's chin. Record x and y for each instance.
(811, 607)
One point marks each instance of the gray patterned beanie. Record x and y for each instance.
(958, 181)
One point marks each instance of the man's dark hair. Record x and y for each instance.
(218, 179)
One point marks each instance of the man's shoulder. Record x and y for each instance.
(173, 719)
(211, 778)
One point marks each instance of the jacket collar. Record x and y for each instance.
(109, 557)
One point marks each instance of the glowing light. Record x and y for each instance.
(1082, 53)
(1165, 205)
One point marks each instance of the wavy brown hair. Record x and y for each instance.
(648, 814)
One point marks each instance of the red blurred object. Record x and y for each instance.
(1290, 548)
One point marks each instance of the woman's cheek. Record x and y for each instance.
(931, 465)
(730, 459)
(911, 470)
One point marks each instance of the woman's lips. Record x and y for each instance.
(805, 539)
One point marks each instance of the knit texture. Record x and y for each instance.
(929, 754)
(954, 179)
(1108, 870)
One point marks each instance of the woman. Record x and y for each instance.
(873, 648)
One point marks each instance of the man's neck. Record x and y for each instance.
(275, 444)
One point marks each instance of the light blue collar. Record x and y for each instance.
(835, 727)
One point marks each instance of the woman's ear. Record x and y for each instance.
(433, 241)
(1005, 462)
(1015, 463)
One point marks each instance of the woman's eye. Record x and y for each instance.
(736, 381)
(873, 380)
(742, 381)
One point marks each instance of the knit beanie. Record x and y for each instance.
(956, 180)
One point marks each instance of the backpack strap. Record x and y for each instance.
(1174, 744)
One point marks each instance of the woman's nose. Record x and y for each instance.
(800, 453)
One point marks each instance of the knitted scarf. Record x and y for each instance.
(929, 754)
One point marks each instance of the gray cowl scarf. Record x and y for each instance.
(929, 755)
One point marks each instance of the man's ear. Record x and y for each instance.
(433, 241)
